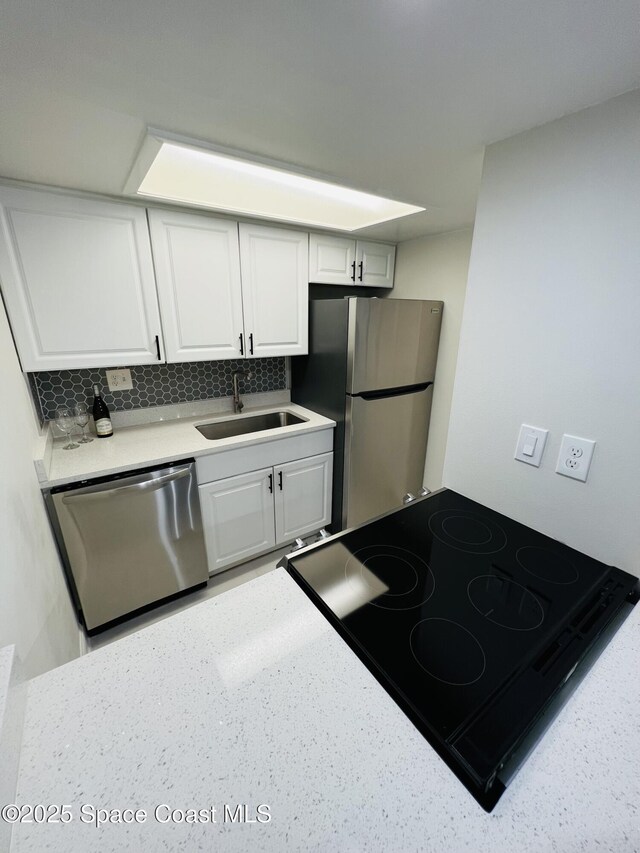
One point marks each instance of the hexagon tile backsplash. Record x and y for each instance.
(156, 384)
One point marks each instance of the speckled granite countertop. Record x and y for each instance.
(161, 442)
(252, 698)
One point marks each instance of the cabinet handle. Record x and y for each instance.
(361, 265)
(280, 479)
(251, 344)
(353, 271)
(241, 344)
(158, 347)
(271, 482)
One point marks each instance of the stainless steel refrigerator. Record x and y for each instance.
(371, 367)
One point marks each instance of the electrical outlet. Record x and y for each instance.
(119, 379)
(574, 458)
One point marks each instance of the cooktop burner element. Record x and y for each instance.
(476, 625)
(467, 531)
(547, 564)
(408, 579)
(448, 652)
(505, 602)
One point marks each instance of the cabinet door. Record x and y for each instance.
(332, 260)
(197, 261)
(78, 282)
(375, 264)
(303, 496)
(237, 515)
(275, 286)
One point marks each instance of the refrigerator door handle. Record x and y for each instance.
(393, 392)
(392, 431)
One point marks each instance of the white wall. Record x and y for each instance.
(436, 268)
(551, 330)
(35, 610)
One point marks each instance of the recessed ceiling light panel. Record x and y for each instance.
(175, 170)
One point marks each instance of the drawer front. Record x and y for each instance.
(241, 460)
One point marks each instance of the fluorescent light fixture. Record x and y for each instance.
(178, 170)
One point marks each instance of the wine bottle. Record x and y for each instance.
(101, 417)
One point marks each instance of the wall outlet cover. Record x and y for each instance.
(574, 457)
(530, 446)
(119, 379)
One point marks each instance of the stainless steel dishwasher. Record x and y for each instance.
(130, 539)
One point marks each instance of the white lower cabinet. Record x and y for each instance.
(302, 494)
(250, 514)
(237, 515)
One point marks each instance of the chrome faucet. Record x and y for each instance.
(238, 405)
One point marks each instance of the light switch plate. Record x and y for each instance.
(119, 379)
(530, 446)
(574, 458)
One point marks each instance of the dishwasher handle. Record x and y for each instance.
(106, 490)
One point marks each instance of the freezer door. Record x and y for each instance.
(386, 440)
(392, 343)
(132, 541)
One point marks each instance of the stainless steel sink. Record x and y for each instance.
(244, 426)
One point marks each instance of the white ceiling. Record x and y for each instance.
(396, 97)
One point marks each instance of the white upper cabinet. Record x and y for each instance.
(197, 261)
(228, 296)
(375, 263)
(341, 260)
(332, 260)
(78, 281)
(275, 284)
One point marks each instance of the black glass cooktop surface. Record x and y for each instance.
(472, 621)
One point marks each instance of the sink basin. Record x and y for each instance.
(244, 426)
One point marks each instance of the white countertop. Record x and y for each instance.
(162, 441)
(253, 698)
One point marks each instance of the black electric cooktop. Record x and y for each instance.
(478, 626)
